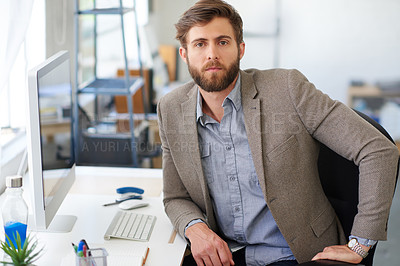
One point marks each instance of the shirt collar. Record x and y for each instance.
(234, 96)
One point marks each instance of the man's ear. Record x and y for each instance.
(241, 49)
(183, 54)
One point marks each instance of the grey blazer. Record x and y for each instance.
(285, 117)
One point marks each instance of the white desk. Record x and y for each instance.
(93, 218)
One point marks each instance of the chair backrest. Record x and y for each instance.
(339, 178)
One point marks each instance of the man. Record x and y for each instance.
(240, 153)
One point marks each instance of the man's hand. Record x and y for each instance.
(340, 253)
(207, 247)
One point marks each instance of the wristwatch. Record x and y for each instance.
(355, 246)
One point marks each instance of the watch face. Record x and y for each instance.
(352, 243)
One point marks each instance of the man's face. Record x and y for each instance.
(212, 54)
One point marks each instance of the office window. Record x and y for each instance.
(30, 53)
(109, 35)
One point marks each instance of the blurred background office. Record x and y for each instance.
(348, 49)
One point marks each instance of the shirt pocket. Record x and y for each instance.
(206, 161)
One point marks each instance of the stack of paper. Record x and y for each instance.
(121, 253)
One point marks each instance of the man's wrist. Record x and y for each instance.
(358, 248)
(364, 241)
(192, 222)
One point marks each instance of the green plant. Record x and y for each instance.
(19, 256)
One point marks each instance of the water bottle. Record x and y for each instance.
(14, 211)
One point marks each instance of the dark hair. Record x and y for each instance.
(203, 12)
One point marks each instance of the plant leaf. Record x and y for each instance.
(21, 255)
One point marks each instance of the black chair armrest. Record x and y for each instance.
(328, 262)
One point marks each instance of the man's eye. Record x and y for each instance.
(223, 42)
(199, 45)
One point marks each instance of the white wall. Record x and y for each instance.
(333, 42)
(330, 41)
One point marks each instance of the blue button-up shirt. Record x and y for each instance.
(241, 211)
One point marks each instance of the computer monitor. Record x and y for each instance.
(50, 143)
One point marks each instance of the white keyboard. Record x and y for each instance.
(131, 226)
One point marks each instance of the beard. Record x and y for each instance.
(215, 82)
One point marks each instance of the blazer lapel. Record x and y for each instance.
(252, 115)
(191, 138)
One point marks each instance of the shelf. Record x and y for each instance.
(98, 133)
(369, 92)
(105, 11)
(371, 100)
(111, 136)
(113, 86)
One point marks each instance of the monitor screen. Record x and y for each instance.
(50, 141)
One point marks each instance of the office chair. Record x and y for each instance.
(339, 178)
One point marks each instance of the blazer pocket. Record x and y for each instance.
(322, 222)
(282, 148)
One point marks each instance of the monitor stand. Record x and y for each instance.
(59, 224)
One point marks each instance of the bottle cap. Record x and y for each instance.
(14, 181)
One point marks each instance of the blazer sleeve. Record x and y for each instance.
(349, 135)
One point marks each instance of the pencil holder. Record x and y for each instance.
(94, 257)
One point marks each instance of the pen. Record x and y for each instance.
(117, 201)
(84, 250)
(87, 246)
(75, 247)
(80, 248)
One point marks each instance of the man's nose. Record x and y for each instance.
(212, 52)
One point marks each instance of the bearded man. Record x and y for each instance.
(240, 151)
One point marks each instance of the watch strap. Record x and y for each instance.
(357, 248)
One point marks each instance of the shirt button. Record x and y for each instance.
(228, 148)
(237, 209)
(232, 178)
